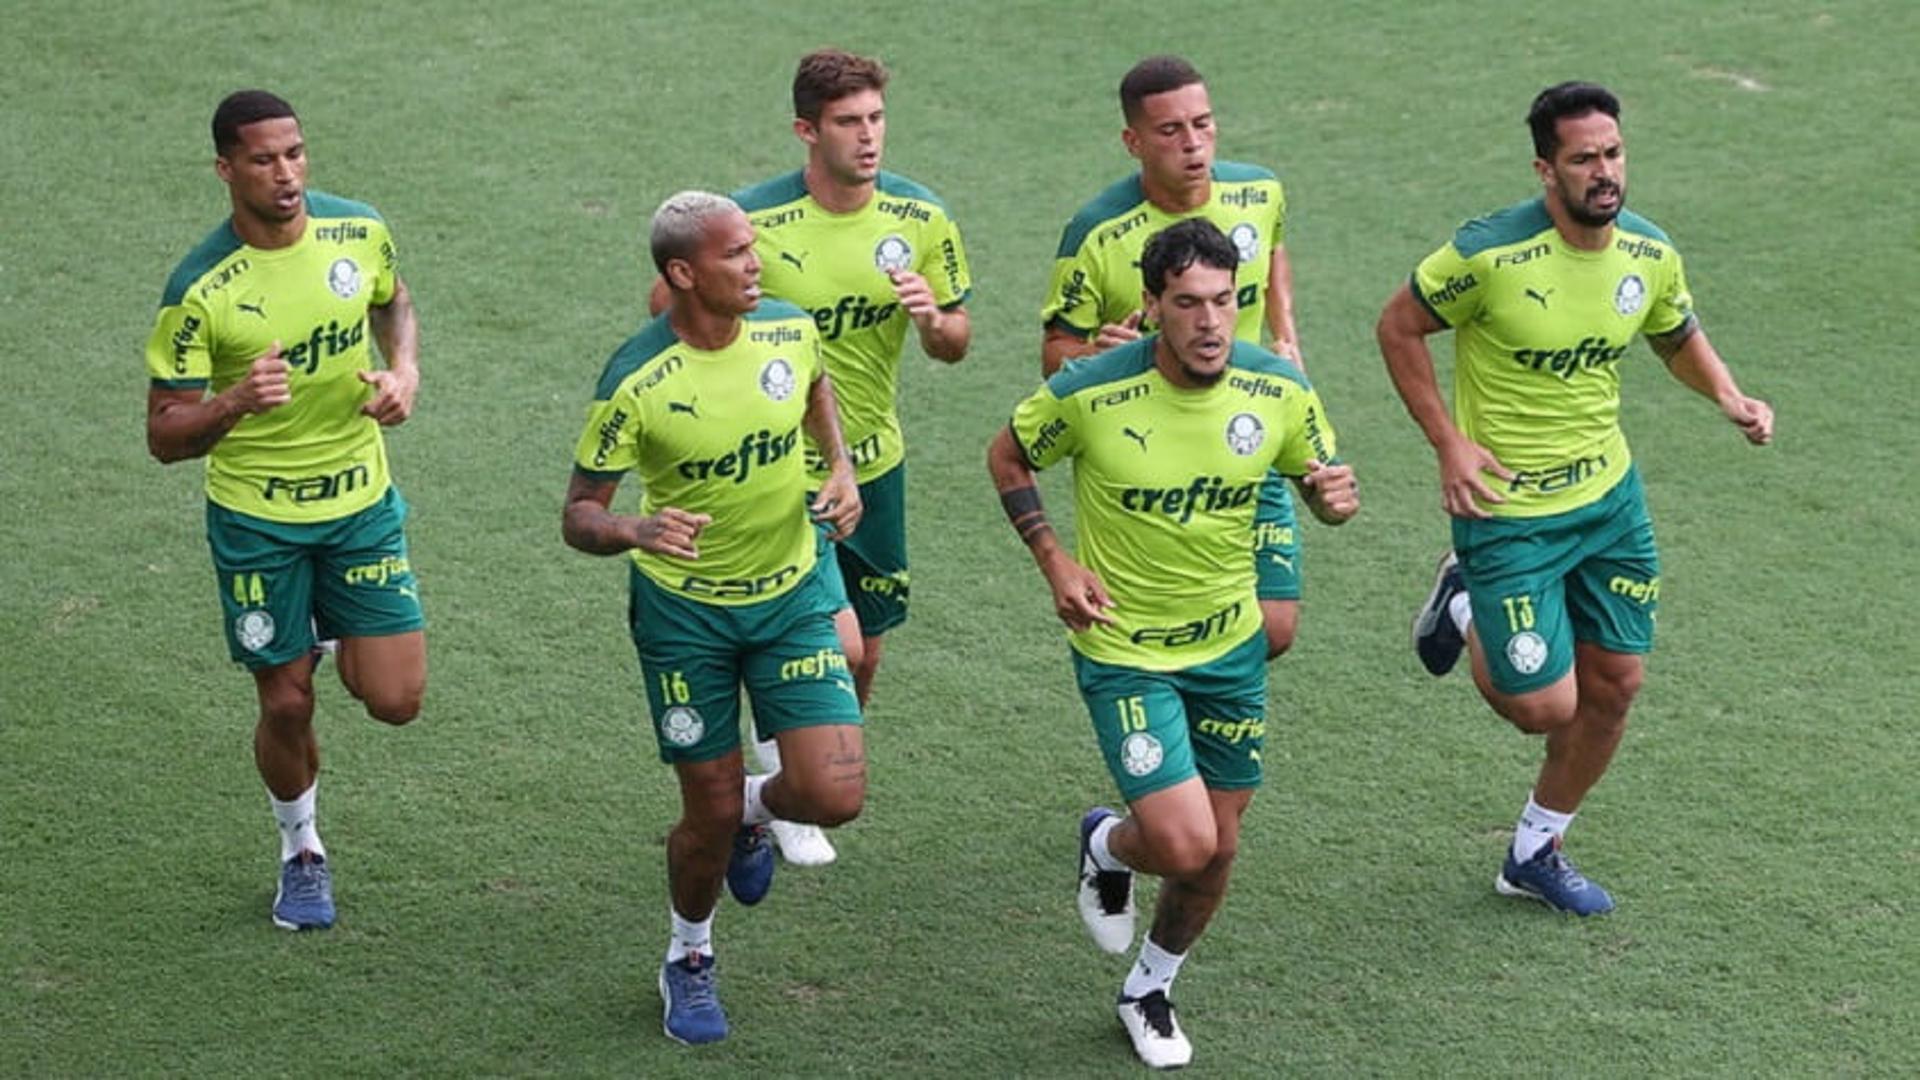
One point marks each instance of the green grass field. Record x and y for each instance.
(499, 865)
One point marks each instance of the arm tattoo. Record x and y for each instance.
(1023, 510)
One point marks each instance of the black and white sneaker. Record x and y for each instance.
(1435, 637)
(1105, 896)
(1155, 1031)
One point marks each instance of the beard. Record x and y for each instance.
(1592, 218)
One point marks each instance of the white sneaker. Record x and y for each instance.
(1105, 897)
(1155, 1031)
(802, 844)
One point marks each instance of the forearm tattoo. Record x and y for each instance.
(1024, 511)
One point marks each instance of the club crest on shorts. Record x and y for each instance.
(1630, 295)
(776, 380)
(343, 277)
(1527, 652)
(1245, 433)
(893, 253)
(682, 726)
(253, 630)
(1140, 754)
(1246, 241)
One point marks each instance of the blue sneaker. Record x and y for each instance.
(1549, 878)
(304, 900)
(1105, 897)
(1435, 637)
(750, 867)
(693, 1012)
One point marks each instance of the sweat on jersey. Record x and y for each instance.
(715, 433)
(1166, 481)
(835, 267)
(317, 457)
(1096, 271)
(1539, 329)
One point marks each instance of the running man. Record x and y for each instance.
(1093, 302)
(1171, 437)
(261, 361)
(709, 404)
(1553, 577)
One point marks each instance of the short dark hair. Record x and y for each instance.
(1178, 246)
(827, 75)
(1561, 101)
(1154, 75)
(243, 107)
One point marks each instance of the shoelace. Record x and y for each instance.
(697, 983)
(308, 881)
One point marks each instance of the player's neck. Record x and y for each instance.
(699, 327)
(833, 196)
(1171, 369)
(1177, 200)
(263, 235)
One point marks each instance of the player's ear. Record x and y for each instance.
(1543, 169)
(223, 168)
(679, 274)
(805, 129)
(1130, 139)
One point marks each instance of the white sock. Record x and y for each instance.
(767, 753)
(297, 831)
(756, 812)
(1154, 970)
(1103, 857)
(1460, 610)
(689, 936)
(1538, 827)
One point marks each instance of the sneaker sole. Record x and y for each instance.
(1507, 888)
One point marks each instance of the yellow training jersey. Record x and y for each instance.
(316, 458)
(1166, 481)
(1539, 329)
(715, 433)
(835, 266)
(1096, 271)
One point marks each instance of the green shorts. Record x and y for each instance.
(1276, 542)
(694, 657)
(1159, 728)
(872, 563)
(278, 583)
(1540, 584)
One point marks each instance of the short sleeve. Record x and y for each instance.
(1043, 427)
(1447, 287)
(179, 356)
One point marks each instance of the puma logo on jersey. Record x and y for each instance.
(685, 407)
(1542, 297)
(788, 256)
(1138, 437)
(259, 309)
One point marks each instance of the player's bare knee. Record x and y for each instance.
(826, 800)
(1535, 715)
(396, 707)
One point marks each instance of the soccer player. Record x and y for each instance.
(261, 361)
(868, 254)
(708, 404)
(1553, 577)
(1171, 437)
(1093, 302)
